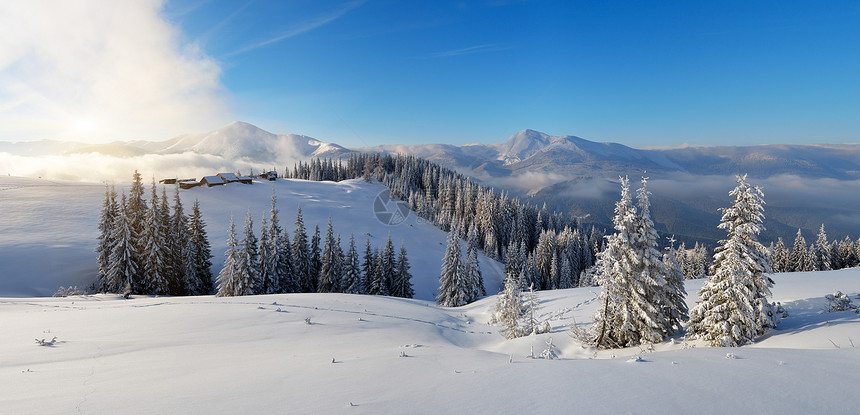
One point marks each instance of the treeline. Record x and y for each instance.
(819, 256)
(144, 248)
(553, 248)
(696, 262)
(276, 263)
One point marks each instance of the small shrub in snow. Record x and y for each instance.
(44, 342)
(69, 291)
(840, 302)
(549, 352)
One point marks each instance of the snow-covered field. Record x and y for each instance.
(365, 354)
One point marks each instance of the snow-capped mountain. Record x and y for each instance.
(237, 140)
(571, 156)
(242, 140)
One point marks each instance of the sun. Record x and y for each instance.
(84, 125)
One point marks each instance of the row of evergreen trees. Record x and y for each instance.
(276, 263)
(144, 248)
(554, 248)
(819, 256)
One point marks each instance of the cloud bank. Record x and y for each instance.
(95, 167)
(97, 71)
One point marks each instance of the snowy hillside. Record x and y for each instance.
(49, 228)
(366, 354)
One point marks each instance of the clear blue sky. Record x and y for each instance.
(640, 73)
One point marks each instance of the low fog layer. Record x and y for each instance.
(95, 167)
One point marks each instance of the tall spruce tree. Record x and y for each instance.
(351, 283)
(665, 297)
(628, 316)
(181, 266)
(287, 277)
(199, 253)
(229, 279)
(821, 252)
(107, 221)
(123, 274)
(315, 261)
(453, 291)
(268, 250)
(301, 257)
(368, 267)
(402, 285)
(799, 256)
(155, 271)
(472, 271)
(328, 266)
(676, 309)
(780, 257)
(732, 309)
(249, 259)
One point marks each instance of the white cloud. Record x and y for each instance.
(97, 71)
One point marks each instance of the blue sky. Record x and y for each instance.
(639, 73)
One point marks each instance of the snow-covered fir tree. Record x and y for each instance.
(301, 256)
(155, 246)
(847, 253)
(123, 273)
(531, 324)
(199, 280)
(453, 290)
(628, 314)
(472, 270)
(329, 280)
(509, 309)
(107, 222)
(676, 292)
(799, 258)
(732, 309)
(182, 266)
(268, 257)
(666, 297)
(249, 259)
(175, 282)
(315, 259)
(368, 268)
(401, 285)
(287, 274)
(821, 252)
(230, 282)
(351, 282)
(780, 257)
(272, 263)
(135, 211)
(385, 268)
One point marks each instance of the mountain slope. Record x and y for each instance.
(49, 228)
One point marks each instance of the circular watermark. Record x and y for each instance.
(389, 211)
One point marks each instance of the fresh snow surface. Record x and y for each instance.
(367, 354)
(48, 228)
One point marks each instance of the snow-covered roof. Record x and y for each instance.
(229, 177)
(241, 178)
(213, 179)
